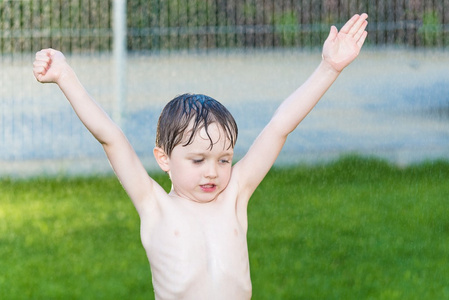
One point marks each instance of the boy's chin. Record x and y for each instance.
(198, 197)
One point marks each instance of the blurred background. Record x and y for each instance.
(134, 56)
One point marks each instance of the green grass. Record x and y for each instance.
(353, 229)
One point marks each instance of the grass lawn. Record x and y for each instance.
(358, 228)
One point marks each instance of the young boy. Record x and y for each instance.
(195, 236)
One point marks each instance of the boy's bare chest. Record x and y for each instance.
(202, 251)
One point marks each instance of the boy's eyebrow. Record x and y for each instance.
(228, 153)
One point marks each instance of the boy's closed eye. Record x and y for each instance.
(221, 161)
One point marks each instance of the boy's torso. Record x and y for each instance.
(197, 251)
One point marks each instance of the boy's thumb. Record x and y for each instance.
(332, 33)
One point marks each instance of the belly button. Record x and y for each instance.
(176, 233)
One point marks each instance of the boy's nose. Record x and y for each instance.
(211, 171)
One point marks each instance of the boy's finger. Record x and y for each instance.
(39, 61)
(361, 31)
(39, 68)
(40, 64)
(359, 25)
(39, 74)
(42, 57)
(349, 24)
(362, 39)
(44, 53)
(40, 53)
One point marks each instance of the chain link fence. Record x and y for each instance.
(172, 46)
(154, 25)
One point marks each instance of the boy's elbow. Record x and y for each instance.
(111, 136)
(277, 129)
(280, 126)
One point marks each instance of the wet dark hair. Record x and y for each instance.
(198, 110)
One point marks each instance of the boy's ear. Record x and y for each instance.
(162, 159)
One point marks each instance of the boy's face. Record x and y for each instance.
(197, 172)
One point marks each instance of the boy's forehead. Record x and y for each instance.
(214, 135)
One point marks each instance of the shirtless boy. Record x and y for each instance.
(195, 236)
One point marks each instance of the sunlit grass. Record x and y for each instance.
(354, 229)
(70, 239)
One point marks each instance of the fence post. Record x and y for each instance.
(119, 56)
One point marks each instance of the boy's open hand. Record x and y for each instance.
(49, 65)
(341, 48)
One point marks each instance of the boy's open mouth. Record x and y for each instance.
(210, 187)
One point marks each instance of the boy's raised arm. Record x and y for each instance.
(50, 66)
(339, 50)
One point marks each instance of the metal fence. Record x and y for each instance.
(153, 25)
